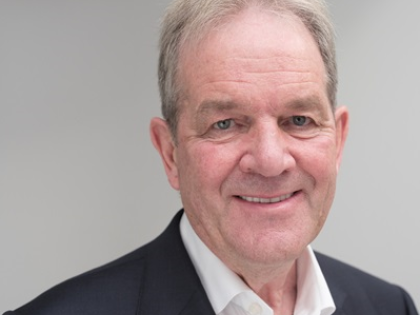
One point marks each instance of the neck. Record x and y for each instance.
(278, 288)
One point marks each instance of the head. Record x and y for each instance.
(256, 143)
(189, 21)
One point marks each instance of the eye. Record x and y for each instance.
(224, 124)
(300, 126)
(299, 120)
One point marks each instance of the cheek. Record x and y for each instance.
(318, 158)
(210, 163)
(318, 162)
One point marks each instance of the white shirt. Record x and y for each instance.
(229, 295)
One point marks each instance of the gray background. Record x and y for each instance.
(80, 183)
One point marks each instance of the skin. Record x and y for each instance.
(255, 121)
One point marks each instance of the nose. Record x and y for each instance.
(267, 152)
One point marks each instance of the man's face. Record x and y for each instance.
(258, 144)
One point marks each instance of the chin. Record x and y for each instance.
(272, 248)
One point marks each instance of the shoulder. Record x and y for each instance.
(356, 289)
(339, 272)
(116, 287)
(109, 289)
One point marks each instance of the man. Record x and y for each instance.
(252, 139)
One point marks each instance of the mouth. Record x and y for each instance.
(266, 200)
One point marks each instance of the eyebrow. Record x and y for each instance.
(216, 105)
(208, 107)
(310, 103)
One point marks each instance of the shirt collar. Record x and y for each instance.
(222, 285)
(314, 296)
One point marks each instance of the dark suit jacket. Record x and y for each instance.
(159, 279)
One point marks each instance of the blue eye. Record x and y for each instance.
(299, 120)
(224, 124)
(300, 126)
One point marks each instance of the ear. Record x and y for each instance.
(162, 140)
(342, 128)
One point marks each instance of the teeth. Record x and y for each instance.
(266, 200)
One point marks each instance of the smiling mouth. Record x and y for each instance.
(266, 200)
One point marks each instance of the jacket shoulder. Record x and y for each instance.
(357, 290)
(110, 289)
(125, 285)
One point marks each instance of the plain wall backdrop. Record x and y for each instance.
(80, 183)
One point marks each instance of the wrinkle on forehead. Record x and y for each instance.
(260, 64)
(255, 71)
(311, 103)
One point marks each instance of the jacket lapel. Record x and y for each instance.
(339, 300)
(171, 285)
(333, 278)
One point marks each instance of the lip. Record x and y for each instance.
(266, 200)
(281, 210)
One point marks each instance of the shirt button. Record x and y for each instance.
(255, 309)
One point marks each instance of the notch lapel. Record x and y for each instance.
(171, 285)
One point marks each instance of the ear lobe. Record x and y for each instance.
(162, 140)
(342, 128)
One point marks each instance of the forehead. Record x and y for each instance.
(255, 47)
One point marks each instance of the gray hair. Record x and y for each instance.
(189, 20)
